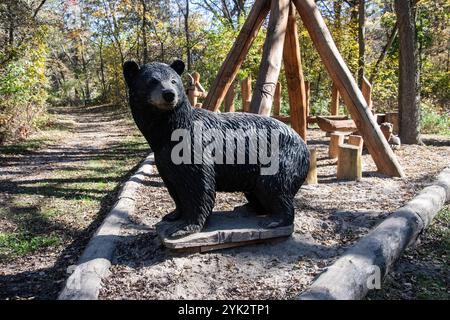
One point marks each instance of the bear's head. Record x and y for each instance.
(155, 86)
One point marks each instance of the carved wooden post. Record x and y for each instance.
(229, 99)
(246, 93)
(378, 147)
(356, 141)
(277, 100)
(236, 56)
(335, 101)
(336, 139)
(312, 173)
(387, 129)
(269, 70)
(349, 163)
(294, 76)
(192, 90)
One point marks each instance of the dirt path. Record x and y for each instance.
(54, 192)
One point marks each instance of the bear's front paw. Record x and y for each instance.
(173, 216)
(184, 230)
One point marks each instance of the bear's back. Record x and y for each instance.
(243, 121)
(244, 177)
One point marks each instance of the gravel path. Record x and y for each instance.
(329, 218)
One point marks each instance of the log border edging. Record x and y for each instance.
(348, 277)
(86, 279)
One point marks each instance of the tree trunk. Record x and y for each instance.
(361, 40)
(144, 32)
(10, 26)
(409, 93)
(102, 69)
(188, 37)
(84, 64)
(338, 21)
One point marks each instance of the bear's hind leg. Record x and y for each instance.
(281, 211)
(254, 204)
(172, 216)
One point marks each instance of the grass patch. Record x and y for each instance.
(60, 125)
(425, 267)
(431, 288)
(17, 244)
(24, 147)
(434, 122)
(55, 130)
(436, 251)
(51, 213)
(440, 230)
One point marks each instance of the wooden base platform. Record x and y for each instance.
(225, 230)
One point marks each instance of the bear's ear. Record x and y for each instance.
(178, 66)
(130, 71)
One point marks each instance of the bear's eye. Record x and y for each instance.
(174, 81)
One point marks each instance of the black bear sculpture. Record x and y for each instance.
(198, 152)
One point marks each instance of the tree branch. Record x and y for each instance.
(39, 8)
(386, 48)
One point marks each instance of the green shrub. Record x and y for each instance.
(23, 89)
(320, 107)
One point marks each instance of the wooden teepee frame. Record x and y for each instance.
(282, 43)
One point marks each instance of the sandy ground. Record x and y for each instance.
(329, 217)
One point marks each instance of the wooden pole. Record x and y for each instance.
(277, 100)
(269, 69)
(308, 97)
(377, 145)
(229, 99)
(246, 93)
(236, 56)
(347, 278)
(335, 101)
(367, 92)
(312, 173)
(294, 76)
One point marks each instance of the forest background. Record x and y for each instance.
(56, 53)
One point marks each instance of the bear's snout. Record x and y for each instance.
(168, 95)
